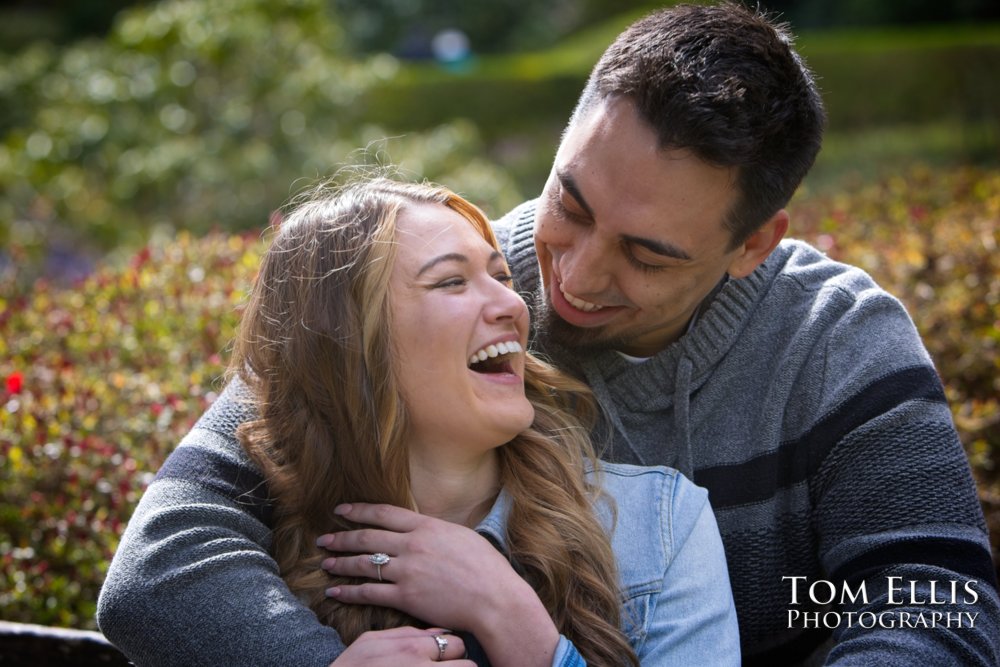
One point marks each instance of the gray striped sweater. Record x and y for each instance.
(803, 399)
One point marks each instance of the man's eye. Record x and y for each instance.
(572, 216)
(641, 265)
(565, 213)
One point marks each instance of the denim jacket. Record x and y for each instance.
(677, 602)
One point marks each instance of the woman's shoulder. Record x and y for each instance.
(636, 500)
(632, 487)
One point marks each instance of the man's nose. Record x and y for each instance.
(583, 267)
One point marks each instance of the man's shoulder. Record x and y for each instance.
(211, 458)
(518, 219)
(813, 270)
(811, 298)
(233, 407)
(802, 281)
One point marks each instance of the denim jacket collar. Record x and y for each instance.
(494, 524)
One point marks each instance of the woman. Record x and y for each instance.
(384, 348)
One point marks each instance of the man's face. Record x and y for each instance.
(629, 237)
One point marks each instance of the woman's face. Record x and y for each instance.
(451, 302)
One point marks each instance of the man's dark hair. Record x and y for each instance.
(725, 83)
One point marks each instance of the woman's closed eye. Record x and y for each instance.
(454, 281)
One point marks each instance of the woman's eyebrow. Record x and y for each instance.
(455, 257)
(447, 257)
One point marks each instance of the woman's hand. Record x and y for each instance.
(438, 571)
(442, 573)
(403, 647)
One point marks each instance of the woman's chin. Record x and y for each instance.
(519, 422)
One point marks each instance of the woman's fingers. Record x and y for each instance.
(363, 541)
(383, 595)
(404, 646)
(447, 647)
(364, 566)
(401, 632)
(389, 517)
(393, 521)
(439, 571)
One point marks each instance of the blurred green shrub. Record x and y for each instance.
(871, 79)
(879, 77)
(932, 238)
(868, 77)
(99, 382)
(196, 115)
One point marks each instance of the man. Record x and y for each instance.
(790, 386)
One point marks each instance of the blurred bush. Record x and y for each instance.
(878, 77)
(195, 115)
(872, 79)
(99, 382)
(200, 115)
(932, 238)
(868, 77)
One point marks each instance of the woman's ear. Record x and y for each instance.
(755, 249)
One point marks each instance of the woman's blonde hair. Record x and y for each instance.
(314, 348)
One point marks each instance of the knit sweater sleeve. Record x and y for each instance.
(192, 582)
(895, 507)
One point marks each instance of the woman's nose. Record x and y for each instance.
(503, 303)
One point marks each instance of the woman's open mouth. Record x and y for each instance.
(495, 358)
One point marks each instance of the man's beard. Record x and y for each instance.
(551, 331)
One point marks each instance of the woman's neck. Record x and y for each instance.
(459, 491)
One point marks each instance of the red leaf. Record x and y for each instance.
(15, 381)
(141, 258)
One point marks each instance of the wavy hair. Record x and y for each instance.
(314, 348)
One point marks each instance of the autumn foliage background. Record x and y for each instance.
(151, 160)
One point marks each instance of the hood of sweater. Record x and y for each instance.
(671, 376)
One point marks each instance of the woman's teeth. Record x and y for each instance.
(579, 303)
(491, 351)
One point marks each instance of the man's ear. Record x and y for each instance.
(760, 244)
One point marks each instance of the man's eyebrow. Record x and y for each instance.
(454, 257)
(658, 247)
(570, 186)
(665, 249)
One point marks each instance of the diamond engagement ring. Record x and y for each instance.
(378, 560)
(442, 644)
